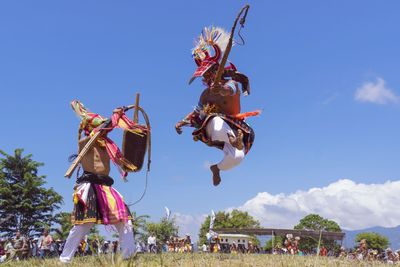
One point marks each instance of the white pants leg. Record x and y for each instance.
(78, 232)
(75, 236)
(126, 239)
(218, 130)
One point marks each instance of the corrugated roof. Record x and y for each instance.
(282, 232)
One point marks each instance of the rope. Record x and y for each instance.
(242, 22)
(103, 126)
(144, 190)
(242, 42)
(221, 67)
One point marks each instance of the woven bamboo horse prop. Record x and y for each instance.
(136, 138)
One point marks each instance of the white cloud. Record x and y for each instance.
(189, 224)
(352, 205)
(376, 93)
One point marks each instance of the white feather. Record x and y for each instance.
(223, 39)
(210, 36)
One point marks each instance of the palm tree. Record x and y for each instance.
(139, 225)
(64, 220)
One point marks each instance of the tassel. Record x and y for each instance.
(76, 198)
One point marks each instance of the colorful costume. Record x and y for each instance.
(95, 200)
(217, 119)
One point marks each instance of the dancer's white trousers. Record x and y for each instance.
(78, 232)
(218, 130)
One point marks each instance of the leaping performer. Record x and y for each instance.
(217, 119)
(95, 200)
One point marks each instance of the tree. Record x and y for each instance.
(162, 230)
(94, 234)
(23, 196)
(65, 225)
(316, 223)
(139, 224)
(374, 240)
(276, 241)
(234, 219)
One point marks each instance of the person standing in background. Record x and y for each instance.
(151, 242)
(45, 244)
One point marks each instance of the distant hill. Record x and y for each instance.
(392, 233)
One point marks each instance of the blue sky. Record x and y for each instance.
(305, 59)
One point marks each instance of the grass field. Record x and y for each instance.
(195, 259)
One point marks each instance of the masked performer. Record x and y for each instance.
(95, 200)
(217, 119)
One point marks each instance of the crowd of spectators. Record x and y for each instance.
(359, 253)
(173, 244)
(179, 245)
(363, 253)
(214, 245)
(20, 247)
(217, 247)
(291, 246)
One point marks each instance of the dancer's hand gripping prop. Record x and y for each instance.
(136, 139)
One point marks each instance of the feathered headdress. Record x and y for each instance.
(208, 50)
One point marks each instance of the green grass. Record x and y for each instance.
(196, 259)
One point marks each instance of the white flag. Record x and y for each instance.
(212, 219)
(167, 213)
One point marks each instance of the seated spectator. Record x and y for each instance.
(20, 246)
(2, 251)
(10, 251)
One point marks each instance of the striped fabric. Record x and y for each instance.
(111, 205)
(100, 204)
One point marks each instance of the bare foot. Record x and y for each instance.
(216, 176)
